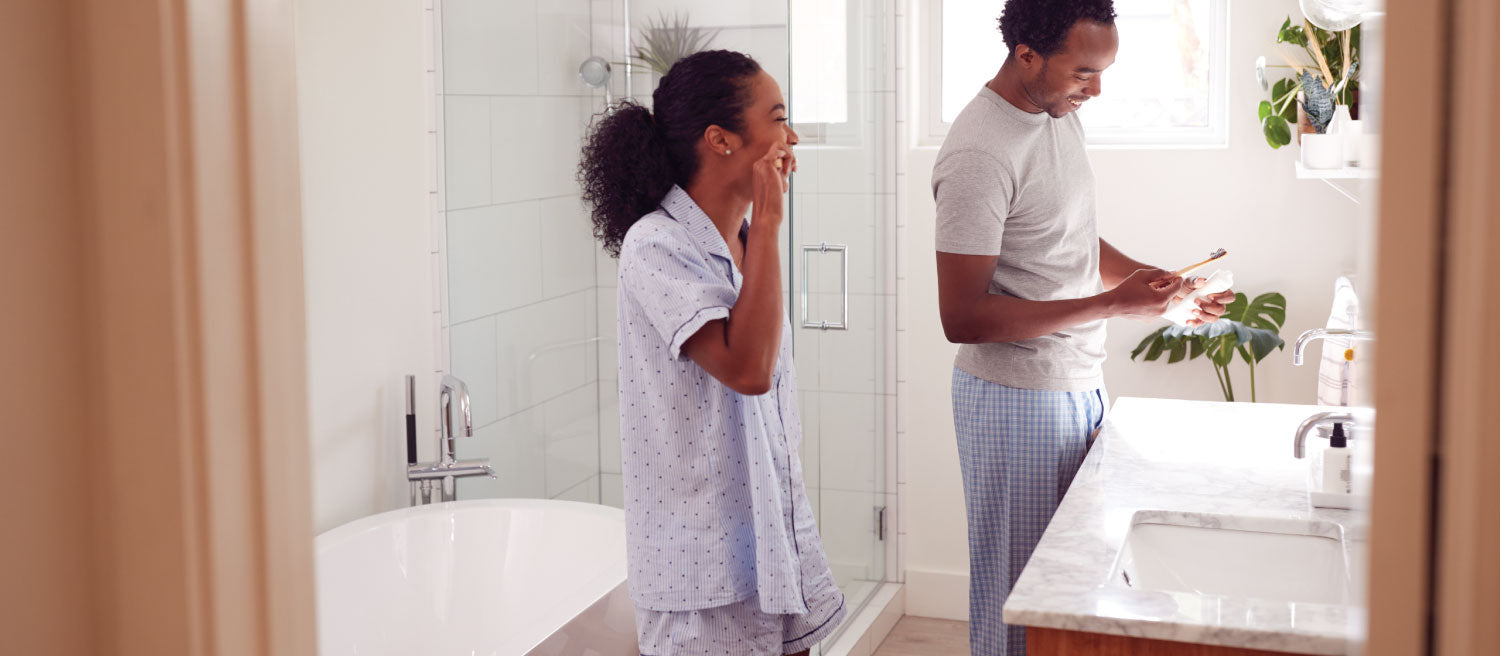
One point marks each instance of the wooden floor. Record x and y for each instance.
(923, 636)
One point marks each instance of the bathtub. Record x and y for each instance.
(494, 576)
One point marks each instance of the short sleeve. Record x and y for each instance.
(674, 284)
(973, 194)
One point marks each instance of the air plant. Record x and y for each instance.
(664, 41)
(1332, 79)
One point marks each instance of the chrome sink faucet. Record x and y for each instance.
(1299, 445)
(1320, 333)
(442, 476)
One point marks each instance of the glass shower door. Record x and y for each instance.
(522, 289)
(843, 282)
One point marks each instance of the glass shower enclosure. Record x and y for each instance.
(528, 316)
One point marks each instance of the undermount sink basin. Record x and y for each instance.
(1234, 556)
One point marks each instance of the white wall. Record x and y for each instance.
(368, 267)
(1167, 207)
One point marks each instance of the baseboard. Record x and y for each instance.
(944, 595)
(872, 624)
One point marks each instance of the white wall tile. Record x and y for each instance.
(473, 351)
(850, 360)
(809, 408)
(563, 122)
(516, 146)
(489, 47)
(541, 352)
(848, 531)
(567, 246)
(609, 427)
(805, 349)
(849, 219)
(847, 440)
(571, 426)
(609, 348)
(494, 259)
(611, 490)
(535, 143)
(606, 268)
(809, 158)
(466, 151)
(514, 447)
(563, 42)
(585, 492)
(591, 350)
(847, 170)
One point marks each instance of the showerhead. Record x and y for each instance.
(595, 72)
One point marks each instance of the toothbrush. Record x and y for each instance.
(1211, 257)
(1189, 269)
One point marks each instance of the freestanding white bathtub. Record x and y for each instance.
(491, 577)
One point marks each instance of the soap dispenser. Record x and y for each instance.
(1336, 462)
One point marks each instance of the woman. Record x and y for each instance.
(724, 554)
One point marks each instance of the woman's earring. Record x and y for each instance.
(726, 151)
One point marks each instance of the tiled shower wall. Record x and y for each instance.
(512, 242)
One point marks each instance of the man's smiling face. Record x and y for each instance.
(1074, 74)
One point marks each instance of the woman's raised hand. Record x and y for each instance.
(771, 181)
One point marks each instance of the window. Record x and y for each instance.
(820, 61)
(1167, 86)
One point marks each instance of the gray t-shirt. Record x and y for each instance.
(1019, 185)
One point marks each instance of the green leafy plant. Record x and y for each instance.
(1250, 328)
(1329, 76)
(665, 40)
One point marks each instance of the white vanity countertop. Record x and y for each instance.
(1188, 456)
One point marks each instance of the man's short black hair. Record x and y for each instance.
(1044, 24)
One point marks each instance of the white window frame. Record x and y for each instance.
(1215, 135)
(832, 134)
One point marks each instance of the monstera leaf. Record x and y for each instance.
(1263, 317)
(1249, 327)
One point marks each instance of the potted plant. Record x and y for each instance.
(1250, 328)
(1329, 77)
(665, 40)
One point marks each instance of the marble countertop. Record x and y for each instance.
(1181, 456)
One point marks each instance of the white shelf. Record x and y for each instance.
(1346, 173)
(1331, 177)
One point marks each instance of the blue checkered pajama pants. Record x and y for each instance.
(1018, 450)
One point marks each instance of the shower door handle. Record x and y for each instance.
(822, 248)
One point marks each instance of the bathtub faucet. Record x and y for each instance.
(449, 387)
(442, 476)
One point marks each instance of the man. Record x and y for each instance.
(1025, 285)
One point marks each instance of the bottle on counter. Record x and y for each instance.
(1336, 463)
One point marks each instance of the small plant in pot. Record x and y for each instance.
(665, 40)
(1249, 328)
(1328, 77)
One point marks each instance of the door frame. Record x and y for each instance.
(188, 175)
